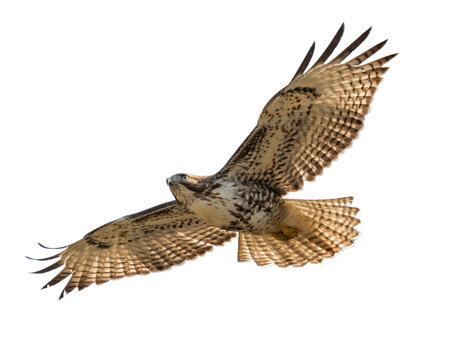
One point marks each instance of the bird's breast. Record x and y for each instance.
(216, 206)
(239, 207)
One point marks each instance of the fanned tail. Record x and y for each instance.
(323, 228)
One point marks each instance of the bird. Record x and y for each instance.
(300, 131)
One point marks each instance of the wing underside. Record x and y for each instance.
(149, 241)
(307, 124)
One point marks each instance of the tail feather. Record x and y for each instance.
(328, 227)
(336, 229)
(254, 247)
(284, 255)
(243, 248)
(266, 256)
(304, 255)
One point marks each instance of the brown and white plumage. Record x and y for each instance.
(301, 130)
(149, 241)
(307, 124)
(333, 228)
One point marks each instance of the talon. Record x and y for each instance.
(279, 236)
(289, 232)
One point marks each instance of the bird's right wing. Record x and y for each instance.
(149, 241)
(307, 124)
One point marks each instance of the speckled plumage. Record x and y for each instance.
(301, 130)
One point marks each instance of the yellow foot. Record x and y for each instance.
(286, 233)
(290, 232)
(279, 236)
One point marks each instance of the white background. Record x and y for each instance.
(102, 100)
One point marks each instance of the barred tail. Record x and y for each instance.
(322, 228)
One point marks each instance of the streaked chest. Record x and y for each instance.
(237, 206)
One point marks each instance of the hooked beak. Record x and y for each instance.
(170, 180)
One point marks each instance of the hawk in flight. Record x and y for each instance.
(301, 130)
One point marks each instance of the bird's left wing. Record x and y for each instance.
(149, 241)
(304, 127)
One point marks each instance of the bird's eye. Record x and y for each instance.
(185, 177)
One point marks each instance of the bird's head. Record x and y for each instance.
(185, 186)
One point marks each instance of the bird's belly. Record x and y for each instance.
(240, 210)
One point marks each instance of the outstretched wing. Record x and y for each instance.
(149, 241)
(304, 127)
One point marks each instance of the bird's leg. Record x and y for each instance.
(286, 233)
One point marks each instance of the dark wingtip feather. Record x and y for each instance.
(381, 44)
(390, 57)
(49, 268)
(44, 259)
(58, 278)
(386, 59)
(349, 49)
(330, 48)
(51, 248)
(367, 54)
(68, 289)
(305, 61)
